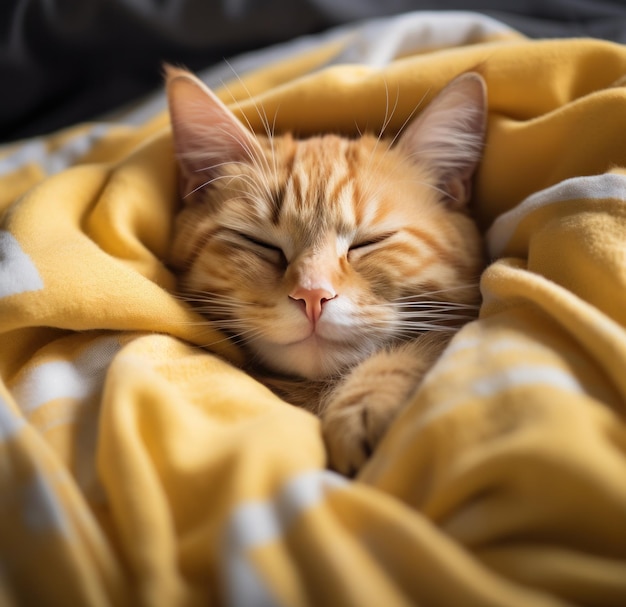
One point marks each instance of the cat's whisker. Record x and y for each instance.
(372, 194)
(387, 120)
(228, 325)
(407, 120)
(402, 314)
(247, 179)
(263, 168)
(261, 114)
(413, 333)
(208, 300)
(238, 337)
(222, 164)
(217, 308)
(432, 186)
(270, 136)
(207, 344)
(419, 301)
(412, 319)
(252, 183)
(430, 327)
(244, 178)
(358, 128)
(269, 130)
(256, 158)
(260, 185)
(209, 328)
(221, 313)
(210, 344)
(247, 338)
(412, 307)
(207, 183)
(373, 154)
(434, 316)
(260, 110)
(443, 290)
(206, 307)
(201, 295)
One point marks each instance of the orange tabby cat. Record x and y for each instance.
(342, 265)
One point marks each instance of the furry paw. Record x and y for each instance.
(352, 430)
(362, 406)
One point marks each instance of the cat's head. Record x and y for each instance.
(316, 252)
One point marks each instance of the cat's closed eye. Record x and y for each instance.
(260, 243)
(272, 251)
(368, 241)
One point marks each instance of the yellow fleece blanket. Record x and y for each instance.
(138, 469)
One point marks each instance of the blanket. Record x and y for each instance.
(140, 468)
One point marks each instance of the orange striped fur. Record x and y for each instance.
(342, 266)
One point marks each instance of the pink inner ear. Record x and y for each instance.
(206, 133)
(449, 134)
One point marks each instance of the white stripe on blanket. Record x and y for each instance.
(18, 274)
(10, 423)
(597, 187)
(76, 379)
(254, 524)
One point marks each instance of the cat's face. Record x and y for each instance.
(315, 253)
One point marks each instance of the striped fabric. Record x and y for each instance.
(137, 468)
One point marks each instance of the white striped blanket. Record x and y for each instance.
(139, 469)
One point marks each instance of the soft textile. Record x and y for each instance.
(137, 468)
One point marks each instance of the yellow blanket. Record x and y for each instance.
(139, 469)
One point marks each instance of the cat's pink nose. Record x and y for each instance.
(313, 300)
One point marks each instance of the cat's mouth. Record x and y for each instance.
(313, 338)
(314, 356)
(323, 336)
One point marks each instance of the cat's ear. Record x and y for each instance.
(207, 135)
(448, 136)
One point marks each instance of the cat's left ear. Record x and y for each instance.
(448, 136)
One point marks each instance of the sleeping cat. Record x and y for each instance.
(343, 266)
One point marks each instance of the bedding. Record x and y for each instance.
(139, 468)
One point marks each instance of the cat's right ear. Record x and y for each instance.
(207, 135)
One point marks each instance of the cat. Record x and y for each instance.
(342, 265)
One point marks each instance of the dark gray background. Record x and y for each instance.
(64, 61)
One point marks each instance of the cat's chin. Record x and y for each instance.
(311, 358)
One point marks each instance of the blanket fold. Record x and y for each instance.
(141, 466)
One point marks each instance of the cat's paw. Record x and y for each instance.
(353, 428)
